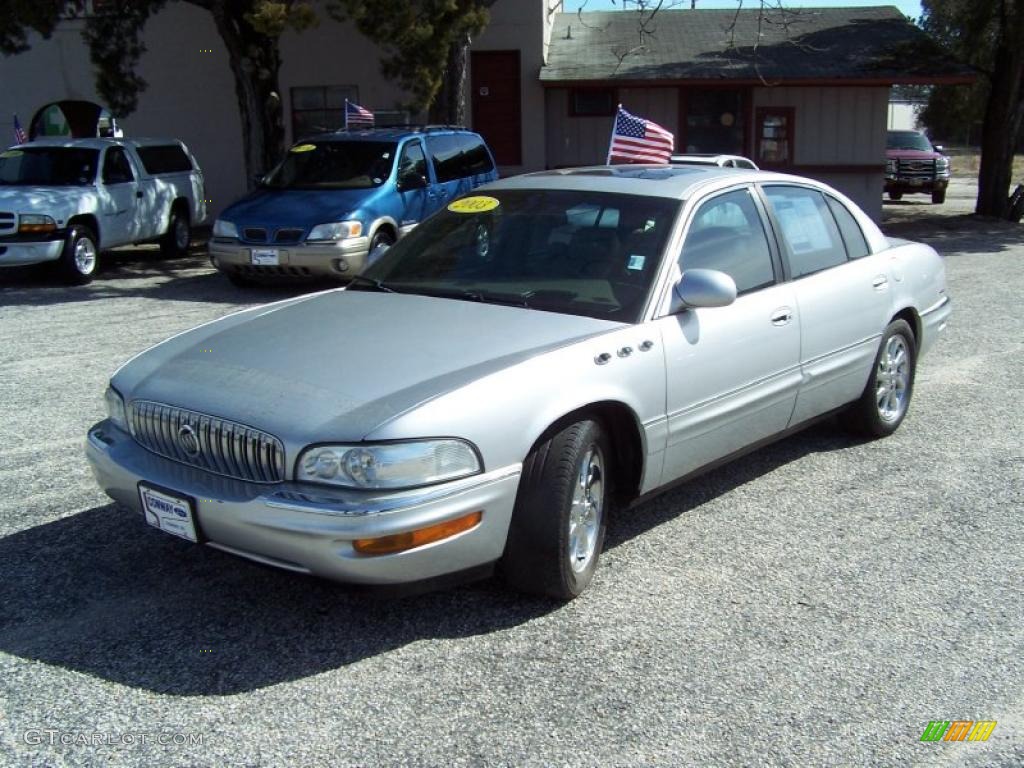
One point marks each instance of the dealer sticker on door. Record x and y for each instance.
(169, 513)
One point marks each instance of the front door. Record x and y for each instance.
(120, 203)
(734, 371)
(497, 114)
(412, 164)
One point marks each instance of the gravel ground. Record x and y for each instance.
(814, 604)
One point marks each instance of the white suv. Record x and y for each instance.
(65, 200)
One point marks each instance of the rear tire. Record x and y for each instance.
(178, 237)
(886, 398)
(939, 196)
(558, 524)
(80, 257)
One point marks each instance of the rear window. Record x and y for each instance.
(164, 158)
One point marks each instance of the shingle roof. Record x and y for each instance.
(805, 44)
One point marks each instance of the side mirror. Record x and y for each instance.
(939, 148)
(702, 288)
(411, 180)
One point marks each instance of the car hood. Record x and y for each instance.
(339, 364)
(911, 154)
(59, 202)
(295, 207)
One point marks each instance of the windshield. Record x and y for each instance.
(334, 165)
(48, 166)
(908, 140)
(579, 253)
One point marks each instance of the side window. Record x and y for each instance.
(476, 158)
(853, 236)
(447, 156)
(413, 160)
(727, 234)
(116, 168)
(808, 229)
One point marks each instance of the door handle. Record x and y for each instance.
(879, 282)
(782, 316)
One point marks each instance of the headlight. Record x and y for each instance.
(336, 231)
(223, 228)
(388, 465)
(115, 408)
(36, 223)
(942, 164)
(890, 166)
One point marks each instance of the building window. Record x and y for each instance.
(774, 136)
(592, 102)
(713, 120)
(320, 108)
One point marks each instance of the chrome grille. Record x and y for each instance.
(221, 446)
(8, 223)
(916, 169)
(288, 235)
(255, 234)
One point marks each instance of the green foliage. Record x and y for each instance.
(416, 37)
(19, 18)
(272, 19)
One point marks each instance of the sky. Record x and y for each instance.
(910, 8)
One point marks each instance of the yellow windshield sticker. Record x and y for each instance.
(303, 148)
(12, 153)
(475, 204)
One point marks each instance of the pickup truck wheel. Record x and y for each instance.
(178, 237)
(558, 522)
(80, 257)
(886, 398)
(895, 195)
(939, 196)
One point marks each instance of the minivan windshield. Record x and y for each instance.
(908, 140)
(334, 165)
(569, 251)
(48, 166)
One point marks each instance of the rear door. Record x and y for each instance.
(842, 294)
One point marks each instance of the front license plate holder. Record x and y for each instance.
(170, 511)
(266, 257)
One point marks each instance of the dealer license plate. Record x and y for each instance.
(168, 512)
(266, 257)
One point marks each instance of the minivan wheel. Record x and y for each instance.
(558, 523)
(80, 257)
(178, 236)
(886, 398)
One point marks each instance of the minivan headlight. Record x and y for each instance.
(115, 408)
(223, 228)
(388, 465)
(339, 230)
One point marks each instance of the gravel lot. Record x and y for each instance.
(816, 603)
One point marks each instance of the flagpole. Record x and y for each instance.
(611, 139)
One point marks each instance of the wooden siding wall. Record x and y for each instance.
(573, 141)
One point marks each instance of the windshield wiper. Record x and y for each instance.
(377, 285)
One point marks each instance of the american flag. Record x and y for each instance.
(635, 140)
(19, 132)
(357, 116)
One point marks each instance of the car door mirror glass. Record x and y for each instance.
(702, 288)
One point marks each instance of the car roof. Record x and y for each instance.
(388, 134)
(673, 181)
(98, 143)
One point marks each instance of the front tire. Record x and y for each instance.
(938, 196)
(80, 257)
(886, 398)
(558, 523)
(178, 237)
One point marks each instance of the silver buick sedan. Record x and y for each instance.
(552, 348)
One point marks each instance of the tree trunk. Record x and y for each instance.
(450, 105)
(1003, 113)
(255, 62)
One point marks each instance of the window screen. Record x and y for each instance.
(810, 234)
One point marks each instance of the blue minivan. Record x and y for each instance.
(337, 197)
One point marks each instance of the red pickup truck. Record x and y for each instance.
(913, 165)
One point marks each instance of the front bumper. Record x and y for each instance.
(310, 529)
(911, 185)
(18, 253)
(342, 260)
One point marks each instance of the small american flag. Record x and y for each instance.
(635, 140)
(19, 132)
(357, 116)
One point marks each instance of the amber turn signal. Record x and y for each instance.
(399, 542)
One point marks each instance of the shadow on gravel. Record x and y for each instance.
(963, 234)
(100, 593)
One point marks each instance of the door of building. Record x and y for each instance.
(496, 103)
